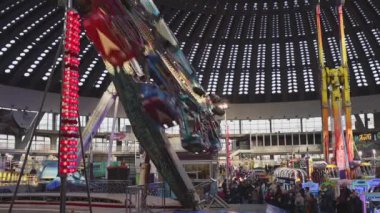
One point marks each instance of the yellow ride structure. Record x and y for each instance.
(335, 91)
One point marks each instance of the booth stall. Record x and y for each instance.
(288, 177)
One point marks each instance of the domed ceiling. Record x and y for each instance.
(247, 51)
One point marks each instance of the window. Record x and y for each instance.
(365, 45)
(292, 80)
(335, 51)
(205, 56)
(182, 23)
(7, 141)
(288, 28)
(376, 33)
(305, 55)
(244, 82)
(275, 31)
(276, 76)
(46, 122)
(375, 68)
(200, 77)
(263, 27)
(125, 124)
(255, 6)
(40, 143)
(214, 76)
(83, 121)
(371, 121)
(309, 80)
(260, 82)
(374, 7)
(182, 45)
(333, 11)
(190, 31)
(57, 123)
(300, 27)
(315, 45)
(174, 17)
(219, 56)
(247, 56)
(359, 75)
(101, 78)
(351, 51)
(198, 171)
(205, 25)
(239, 28)
(172, 130)
(325, 23)
(24, 32)
(364, 15)
(228, 29)
(89, 69)
(233, 55)
(311, 20)
(352, 20)
(291, 71)
(228, 83)
(193, 51)
(106, 125)
(233, 126)
(217, 26)
(260, 74)
(286, 125)
(312, 124)
(275, 5)
(251, 27)
(255, 126)
(101, 144)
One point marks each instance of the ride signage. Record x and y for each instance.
(367, 137)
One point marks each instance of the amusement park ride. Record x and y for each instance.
(158, 88)
(154, 81)
(341, 169)
(335, 91)
(137, 46)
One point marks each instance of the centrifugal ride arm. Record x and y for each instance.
(97, 117)
(324, 90)
(346, 86)
(153, 140)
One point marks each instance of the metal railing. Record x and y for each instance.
(208, 195)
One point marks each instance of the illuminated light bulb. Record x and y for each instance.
(64, 163)
(64, 142)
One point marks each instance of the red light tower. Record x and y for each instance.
(69, 127)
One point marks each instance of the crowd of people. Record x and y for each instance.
(249, 189)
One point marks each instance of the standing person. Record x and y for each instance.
(290, 202)
(307, 192)
(311, 204)
(327, 201)
(262, 192)
(278, 196)
(342, 201)
(355, 204)
(273, 187)
(299, 203)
